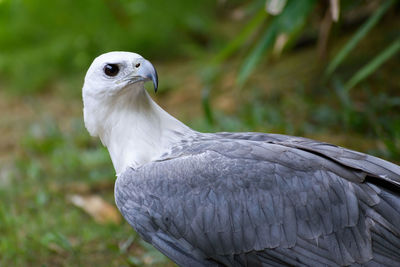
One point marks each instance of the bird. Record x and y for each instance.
(237, 198)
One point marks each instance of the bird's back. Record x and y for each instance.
(249, 199)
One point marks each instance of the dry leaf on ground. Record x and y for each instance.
(101, 211)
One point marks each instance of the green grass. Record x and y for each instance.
(40, 227)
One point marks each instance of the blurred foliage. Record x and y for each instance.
(321, 69)
(361, 33)
(287, 24)
(280, 24)
(276, 27)
(48, 40)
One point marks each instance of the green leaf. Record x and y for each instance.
(373, 65)
(207, 107)
(251, 61)
(243, 36)
(361, 33)
(290, 20)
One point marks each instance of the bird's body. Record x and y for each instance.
(241, 199)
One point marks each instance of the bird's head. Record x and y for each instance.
(113, 76)
(112, 72)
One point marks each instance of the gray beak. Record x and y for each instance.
(149, 73)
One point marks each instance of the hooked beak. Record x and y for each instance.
(148, 73)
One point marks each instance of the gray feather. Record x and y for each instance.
(258, 199)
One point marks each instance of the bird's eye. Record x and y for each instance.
(111, 69)
(137, 65)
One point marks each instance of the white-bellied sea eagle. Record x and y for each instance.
(237, 199)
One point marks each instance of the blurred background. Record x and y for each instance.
(327, 70)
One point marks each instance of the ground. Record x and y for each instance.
(47, 156)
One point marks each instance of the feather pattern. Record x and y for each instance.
(249, 199)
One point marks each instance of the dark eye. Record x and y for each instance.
(137, 65)
(111, 69)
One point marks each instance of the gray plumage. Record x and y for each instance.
(237, 199)
(252, 199)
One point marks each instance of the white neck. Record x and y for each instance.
(136, 130)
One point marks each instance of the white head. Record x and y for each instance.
(111, 76)
(118, 109)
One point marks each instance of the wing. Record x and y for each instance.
(387, 171)
(252, 203)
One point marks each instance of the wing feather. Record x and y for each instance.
(255, 201)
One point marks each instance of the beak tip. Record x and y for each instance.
(150, 73)
(154, 78)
